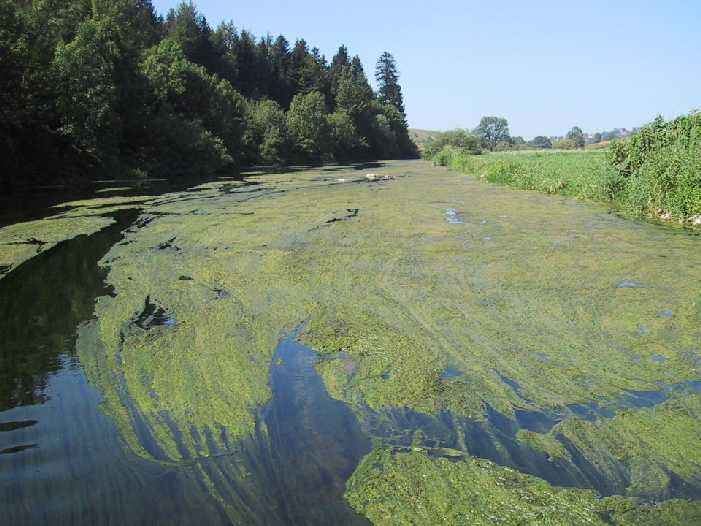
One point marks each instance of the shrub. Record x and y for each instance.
(461, 139)
(346, 142)
(659, 168)
(266, 138)
(565, 144)
(182, 147)
(308, 125)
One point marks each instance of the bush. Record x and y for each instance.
(309, 126)
(659, 168)
(565, 144)
(461, 139)
(182, 147)
(267, 138)
(541, 141)
(444, 156)
(346, 142)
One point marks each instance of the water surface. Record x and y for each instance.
(535, 328)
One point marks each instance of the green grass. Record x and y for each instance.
(582, 174)
(656, 173)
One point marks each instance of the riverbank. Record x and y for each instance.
(655, 174)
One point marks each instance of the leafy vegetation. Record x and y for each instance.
(492, 131)
(576, 135)
(585, 175)
(655, 172)
(659, 168)
(491, 134)
(541, 141)
(113, 88)
(453, 139)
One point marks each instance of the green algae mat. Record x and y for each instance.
(390, 344)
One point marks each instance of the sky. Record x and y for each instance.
(544, 65)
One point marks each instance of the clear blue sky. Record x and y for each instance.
(545, 66)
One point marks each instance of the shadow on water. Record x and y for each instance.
(306, 445)
(41, 304)
(315, 442)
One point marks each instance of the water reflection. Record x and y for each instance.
(315, 441)
(41, 304)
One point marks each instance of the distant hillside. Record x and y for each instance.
(420, 137)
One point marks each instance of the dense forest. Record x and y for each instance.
(97, 88)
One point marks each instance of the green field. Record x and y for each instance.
(582, 174)
(655, 173)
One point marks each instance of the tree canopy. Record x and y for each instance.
(112, 88)
(389, 90)
(541, 141)
(576, 136)
(493, 130)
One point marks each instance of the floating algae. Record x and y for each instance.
(399, 295)
(22, 241)
(393, 487)
(374, 276)
(650, 453)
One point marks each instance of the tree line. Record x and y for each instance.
(108, 88)
(492, 133)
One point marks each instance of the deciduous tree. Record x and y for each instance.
(492, 130)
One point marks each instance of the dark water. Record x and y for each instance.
(316, 440)
(41, 304)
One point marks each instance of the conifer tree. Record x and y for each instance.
(389, 90)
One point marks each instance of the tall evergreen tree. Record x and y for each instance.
(190, 29)
(339, 63)
(246, 60)
(389, 90)
(225, 40)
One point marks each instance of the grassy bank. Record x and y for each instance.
(583, 174)
(655, 173)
